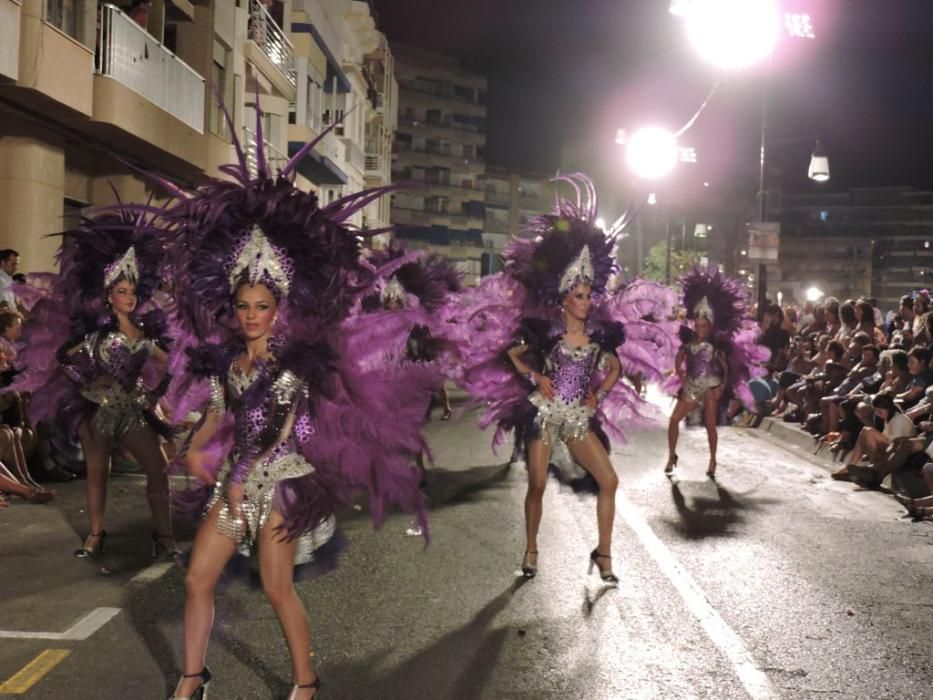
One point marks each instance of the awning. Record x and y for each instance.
(317, 167)
(333, 65)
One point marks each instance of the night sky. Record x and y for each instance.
(576, 70)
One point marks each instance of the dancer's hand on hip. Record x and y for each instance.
(235, 498)
(545, 387)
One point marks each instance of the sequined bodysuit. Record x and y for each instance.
(566, 417)
(704, 371)
(108, 368)
(262, 471)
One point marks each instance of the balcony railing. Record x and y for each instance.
(133, 57)
(374, 164)
(275, 159)
(449, 124)
(272, 40)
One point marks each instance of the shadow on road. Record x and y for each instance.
(458, 665)
(702, 515)
(446, 488)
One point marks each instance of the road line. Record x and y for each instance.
(754, 680)
(153, 572)
(33, 672)
(78, 632)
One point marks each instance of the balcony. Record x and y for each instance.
(134, 58)
(275, 159)
(445, 125)
(9, 39)
(498, 199)
(273, 46)
(353, 154)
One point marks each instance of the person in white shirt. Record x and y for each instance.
(9, 261)
(872, 443)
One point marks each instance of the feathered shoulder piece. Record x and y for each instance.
(565, 248)
(210, 360)
(431, 279)
(710, 294)
(608, 335)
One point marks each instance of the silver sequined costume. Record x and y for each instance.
(262, 482)
(704, 371)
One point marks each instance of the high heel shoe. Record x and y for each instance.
(605, 574)
(200, 692)
(295, 688)
(83, 552)
(711, 470)
(671, 463)
(529, 571)
(159, 547)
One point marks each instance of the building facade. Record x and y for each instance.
(439, 150)
(874, 242)
(85, 90)
(512, 198)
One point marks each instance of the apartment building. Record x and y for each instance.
(512, 198)
(870, 241)
(439, 150)
(88, 94)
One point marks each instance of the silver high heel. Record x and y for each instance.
(527, 570)
(201, 692)
(605, 574)
(295, 688)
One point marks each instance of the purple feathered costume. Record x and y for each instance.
(77, 364)
(709, 294)
(522, 306)
(309, 430)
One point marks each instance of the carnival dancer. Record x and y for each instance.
(556, 314)
(103, 383)
(717, 356)
(292, 431)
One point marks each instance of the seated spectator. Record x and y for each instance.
(904, 318)
(859, 380)
(872, 443)
(789, 323)
(918, 361)
(865, 313)
(897, 378)
(823, 380)
(848, 323)
(902, 455)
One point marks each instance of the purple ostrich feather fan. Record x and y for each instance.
(725, 295)
(430, 278)
(551, 242)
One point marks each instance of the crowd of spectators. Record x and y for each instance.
(861, 382)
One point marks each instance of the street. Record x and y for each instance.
(773, 582)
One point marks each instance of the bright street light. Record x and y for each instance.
(652, 198)
(652, 152)
(733, 33)
(814, 294)
(601, 224)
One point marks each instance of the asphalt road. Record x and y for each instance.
(775, 582)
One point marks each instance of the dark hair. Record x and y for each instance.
(836, 348)
(873, 349)
(885, 401)
(868, 312)
(922, 354)
(907, 301)
(7, 319)
(862, 338)
(898, 360)
(847, 314)
(7, 253)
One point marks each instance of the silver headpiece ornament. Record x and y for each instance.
(393, 291)
(703, 310)
(125, 266)
(263, 262)
(579, 271)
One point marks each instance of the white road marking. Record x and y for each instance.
(153, 572)
(753, 679)
(79, 631)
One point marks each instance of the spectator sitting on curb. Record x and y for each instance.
(872, 443)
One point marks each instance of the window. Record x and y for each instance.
(64, 15)
(217, 124)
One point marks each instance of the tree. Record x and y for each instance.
(681, 261)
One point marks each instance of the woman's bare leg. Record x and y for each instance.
(209, 556)
(97, 449)
(591, 455)
(276, 565)
(144, 446)
(539, 457)
(683, 407)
